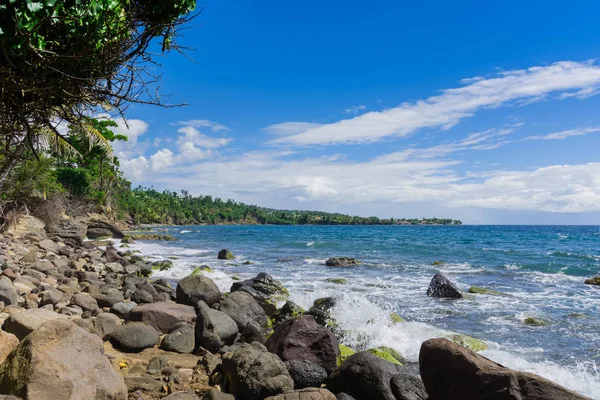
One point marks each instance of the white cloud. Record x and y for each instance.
(134, 169)
(289, 128)
(565, 134)
(355, 109)
(203, 123)
(450, 107)
(193, 135)
(162, 159)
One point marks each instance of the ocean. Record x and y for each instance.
(538, 269)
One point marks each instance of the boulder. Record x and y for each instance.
(191, 289)
(342, 262)
(85, 301)
(162, 316)
(8, 342)
(134, 337)
(243, 309)
(141, 296)
(287, 311)
(99, 224)
(252, 373)
(8, 292)
(305, 394)
(407, 386)
(214, 394)
(263, 283)
(214, 329)
(105, 324)
(365, 376)
(225, 255)
(253, 332)
(453, 372)
(106, 296)
(302, 338)
(305, 373)
(23, 323)
(25, 225)
(97, 233)
(441, 287)
(181, 340)
(61, 361)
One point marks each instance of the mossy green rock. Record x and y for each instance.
(593, 281)
(128, 239)
(235, 278)
(469, 342)
(338, 281)
(225, 255)
(481, 290)
(345, 352)
(383, 353)
(163, 265)
(532, 321)
(153, 236)
(202, 268)
(396, 318)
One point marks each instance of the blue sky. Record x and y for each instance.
(467, 110)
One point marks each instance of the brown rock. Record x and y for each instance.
(8, 342)
(162, 316)
(61, 361)
(452, 372)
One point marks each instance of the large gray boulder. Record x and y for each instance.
(441, 287)
(8, 292)
(214, 329)
(106, 296)
(134, 337)
(243, 309)
(263, 283)
(252, 373)
(181, 340)
(23, 323)
(162, 316)
(191, 289)
(61, 361)
(453, 372)
(366, 376)
(302, 338)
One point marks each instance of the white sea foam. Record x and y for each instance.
(309, 244)
(184, 231)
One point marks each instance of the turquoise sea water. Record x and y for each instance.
(539, 269)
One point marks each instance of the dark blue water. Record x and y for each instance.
(538, 269)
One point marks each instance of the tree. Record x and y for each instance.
(62, 59)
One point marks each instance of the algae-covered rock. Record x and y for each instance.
(593, 281)
(162, 265)
(396, 318)
(533, 321)
(345, 352)
(236, 278)
(128, 239)
(482, 290)
(153, 236)
(225, 255)
(384, 353)
(202, 268)
(469, 342)
(338, 281)
(342, 262)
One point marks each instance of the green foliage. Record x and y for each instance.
(31, 178)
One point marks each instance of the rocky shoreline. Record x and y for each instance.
(86, 320)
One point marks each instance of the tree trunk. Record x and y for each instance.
(11, 161)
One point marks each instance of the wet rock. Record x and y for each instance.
(225, 255)
(302, 338)
(214, 329)
(134, 337)
(452, 372)
(243, 309)
(263, 283)
(593, 281)
(406, 386)
(364, 376)
(341, 262)
(287, 311)
(162, 316)
(8, 292)
(181, 340)
(441, 287)
(252, 373)
(191, 289)
(23, 323)
(61, 361)
(305, 373)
